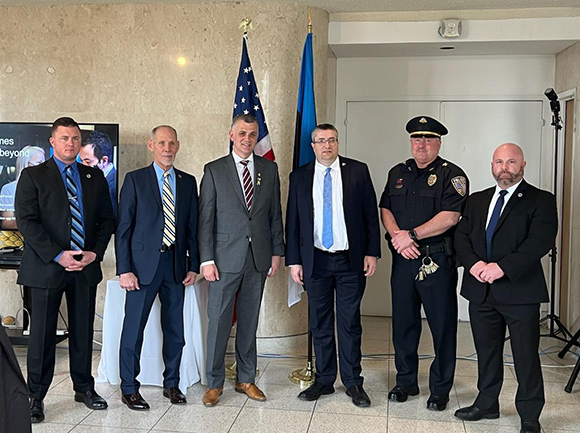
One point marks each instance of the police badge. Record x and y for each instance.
(460, 185)
(432, 179)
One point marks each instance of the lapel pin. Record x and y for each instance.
(88, 175)
(520, 195)
(343, 164)
(179, 176)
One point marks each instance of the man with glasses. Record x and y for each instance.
(420, 207)
(333, 243)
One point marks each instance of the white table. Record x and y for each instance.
(195, 321)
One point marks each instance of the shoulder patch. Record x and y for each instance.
(460, 185)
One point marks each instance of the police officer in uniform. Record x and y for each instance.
(420, 207)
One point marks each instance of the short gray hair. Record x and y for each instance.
(157, 128)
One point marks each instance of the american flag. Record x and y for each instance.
(247, 101)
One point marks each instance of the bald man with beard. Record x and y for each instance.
(504, 232)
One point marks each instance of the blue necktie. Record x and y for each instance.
(327, 237)
(494, 220)
(77, 232)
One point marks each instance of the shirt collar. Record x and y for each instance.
(237, 158)
(510, 190)
(335, 166)
(159, 172)
(63, 165)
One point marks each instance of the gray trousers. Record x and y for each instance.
(220, 309)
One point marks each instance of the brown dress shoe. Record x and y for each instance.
(251, 390)
(212, 396)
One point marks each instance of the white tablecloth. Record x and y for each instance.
(195, 320)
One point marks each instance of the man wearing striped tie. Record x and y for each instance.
(156, 248)
(64, 211)
(241, 241)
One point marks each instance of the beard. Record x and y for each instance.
(507, 179)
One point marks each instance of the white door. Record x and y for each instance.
(476, 128)
(375, 134)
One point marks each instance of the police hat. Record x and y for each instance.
(425, 126)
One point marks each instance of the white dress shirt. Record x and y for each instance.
(339, 234)
(240, 167)
(510, 193)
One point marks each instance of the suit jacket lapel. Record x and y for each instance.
(483, 211)
(154, 186)
(309, 186)
(345, 173)
(512, 202)
(178, 188)
(55, 176)
(234, 178)
(86, 186)
(258, 170)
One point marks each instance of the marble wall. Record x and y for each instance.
(568, 77)
(117, 63)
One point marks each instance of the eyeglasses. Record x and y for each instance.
(330, 140)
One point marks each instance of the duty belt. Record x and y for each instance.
(425, 250)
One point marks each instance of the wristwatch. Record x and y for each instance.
(413, 235)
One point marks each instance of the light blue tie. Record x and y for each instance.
(327, 237)
(77, 232)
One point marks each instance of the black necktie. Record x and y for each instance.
(494, 220)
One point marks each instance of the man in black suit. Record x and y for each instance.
(333, 243)
(503, 234)
(64, 212)
(156, 248)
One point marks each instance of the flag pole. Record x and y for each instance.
(305, 376)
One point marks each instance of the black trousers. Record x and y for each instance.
(80, 300)
(333, 273)
(437, 292)
(138, 304)
(488, 324)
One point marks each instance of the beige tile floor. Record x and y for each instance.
(283, 412)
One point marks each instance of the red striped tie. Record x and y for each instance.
(248, 184)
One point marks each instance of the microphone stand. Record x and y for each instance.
(552, 317)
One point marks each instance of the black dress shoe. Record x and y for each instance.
(359, 397)
(36, 411)
(314, 391)
(437, 402)
(401, 394)
(530, 427)
(473, 413)
(135, 401)
(91, 399)
(174, 395)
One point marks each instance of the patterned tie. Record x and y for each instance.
(327, 237)
(168, 212)
(77, 232)
(248, 184)
(494, 220)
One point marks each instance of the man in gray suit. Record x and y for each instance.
(240, 243)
